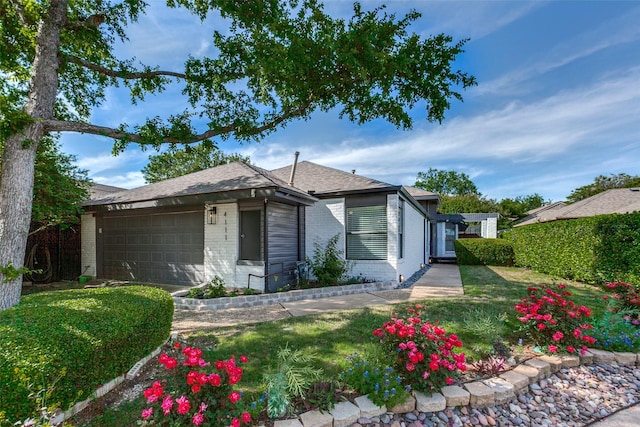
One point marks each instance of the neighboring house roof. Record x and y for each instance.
(221, 179)
(618, 200)
(420, 194)
(97, 191)
(534, 215)
(479, 217)
(317, 179)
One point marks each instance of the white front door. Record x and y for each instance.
(447, 233)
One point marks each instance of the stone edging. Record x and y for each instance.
(245, 301)
(477, 394)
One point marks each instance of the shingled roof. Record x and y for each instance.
(420, 194)
(618, 200)
(318, 179)
(220, 179)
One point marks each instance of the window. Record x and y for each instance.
(367, 232)
(401, 229)
(250, 235)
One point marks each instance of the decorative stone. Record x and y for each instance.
(503, 389)
(528, 371)
(480, 394)
(369, 409)
(570, 361)
(344, 414)
(316, 419)
(287, 423)
(404, 407)
(625, 359)
(543, 367)
(586, 358)
(433, 403)
(601, 356)
(519, 381)
(455, 395)
(555, 363)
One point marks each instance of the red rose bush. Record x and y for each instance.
(194, 392)
(554, 322)
(423, 352)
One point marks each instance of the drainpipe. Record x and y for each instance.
(293, 167)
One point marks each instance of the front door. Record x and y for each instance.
(447, 233)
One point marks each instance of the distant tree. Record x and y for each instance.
(444, 182)
(178, 161)
(466, 203)
(59, 186)
(518, 207)
(603, 183)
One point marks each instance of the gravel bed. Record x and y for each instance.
(414, 278)
(570, 397)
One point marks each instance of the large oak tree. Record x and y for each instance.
(277, 61)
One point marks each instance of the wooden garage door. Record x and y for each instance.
(163, 248)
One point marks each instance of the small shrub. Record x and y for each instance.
(214, 289)
(554, 322)
(379, 381)
(421, 352)
(192, 391)
(92, 335)
(328, 264)
(292, 379)
(483, 252)
(492, 366)
(624, 296)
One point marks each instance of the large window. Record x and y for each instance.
(367, 232)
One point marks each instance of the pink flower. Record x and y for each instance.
(541, 326)
(167, 404)
(552, 348)
(198, 418)
(558, 336)
(246, 417)
(571, 349)
(235, 422)
(147, 413)
(449, 381)
(244, 359)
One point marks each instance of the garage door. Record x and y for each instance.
(164, 248)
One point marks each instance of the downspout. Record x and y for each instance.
(293, 167)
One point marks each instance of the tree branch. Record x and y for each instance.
(92, 21)
(82, 127)
(121, 74)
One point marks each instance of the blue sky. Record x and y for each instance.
(557, 101)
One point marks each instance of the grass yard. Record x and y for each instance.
(483, 316)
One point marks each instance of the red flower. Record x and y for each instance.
(552, 348)
(246, 417)
(176, 345)
(184, 405)
(235, 422)
(449, 380)
(215, 380)
(558, 336)
(541, 326)
(244, 359)
(234, 397)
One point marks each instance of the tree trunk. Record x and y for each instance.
(18, 159)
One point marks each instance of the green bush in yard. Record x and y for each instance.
(77, 340)
(483, 252)
(599, 249)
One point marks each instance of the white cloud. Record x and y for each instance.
(127, 180)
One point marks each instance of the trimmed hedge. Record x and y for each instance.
(483, 252)
(89, 335)
(598, 249)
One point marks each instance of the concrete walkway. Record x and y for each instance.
(441, 280)
(629, 417)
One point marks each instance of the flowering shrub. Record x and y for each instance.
(625, 295)
(381, 383)
(423, 351)
(192, 396)
(553, 321)
(618, 331)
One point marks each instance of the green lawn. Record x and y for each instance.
(481, 317)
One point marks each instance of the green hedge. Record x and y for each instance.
(483, 252)
(598, 249)
(89, 335)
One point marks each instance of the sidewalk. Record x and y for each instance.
(439, 281)
(629, 417)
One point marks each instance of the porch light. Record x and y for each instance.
(212, 215)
